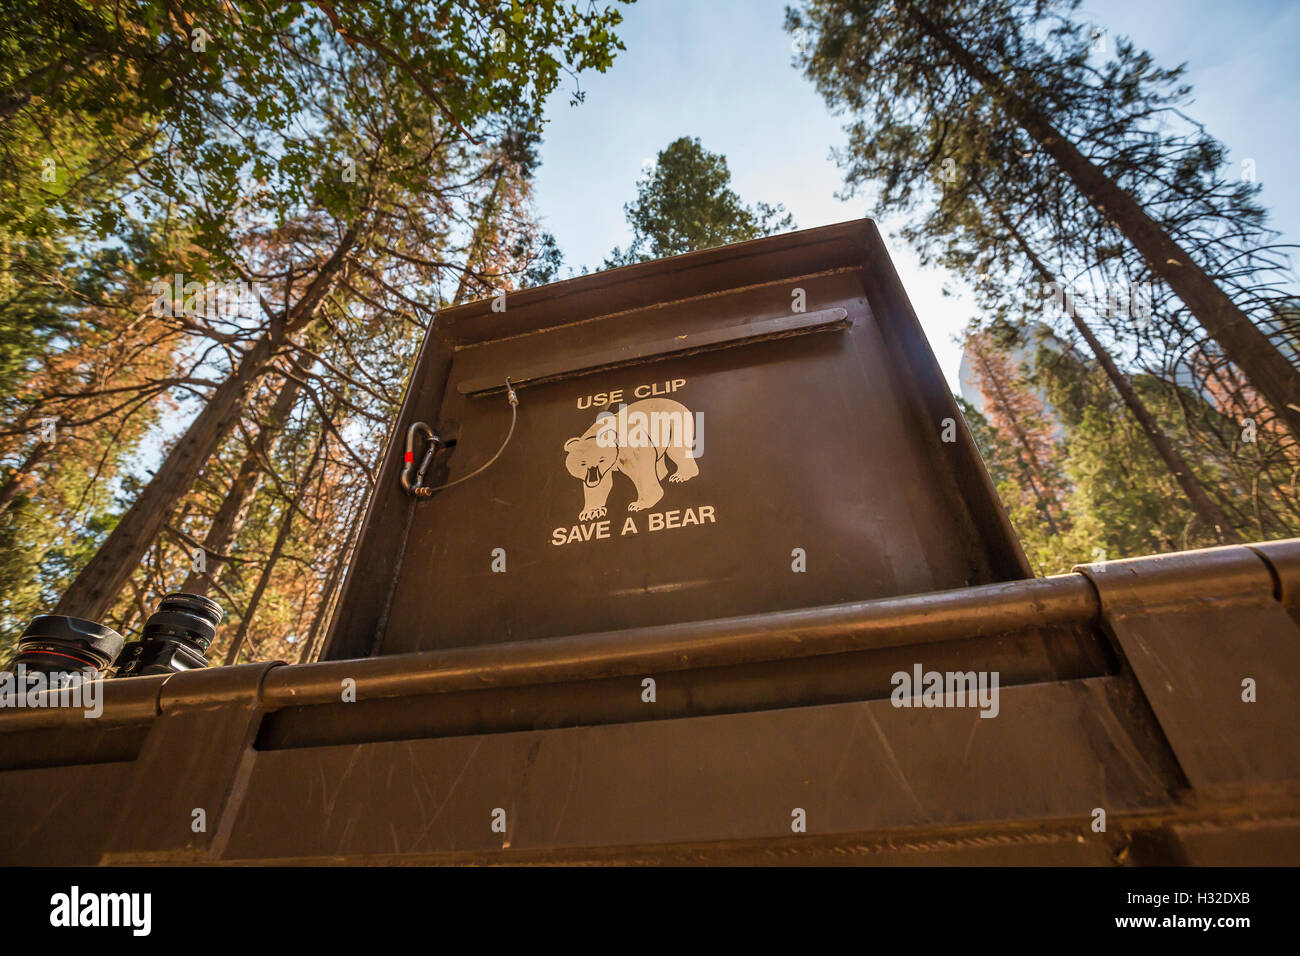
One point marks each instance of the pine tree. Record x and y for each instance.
(686, 203)
(382, 139)
(918, 75)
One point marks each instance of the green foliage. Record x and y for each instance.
(955, 111)
(277, 143)
(47, 534)
(546, 263)
(1117, 478)
(1119, 499)
(140, 105)
(686, 203)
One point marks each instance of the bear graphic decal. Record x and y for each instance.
(635, 442)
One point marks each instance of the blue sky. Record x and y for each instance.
(721, 70)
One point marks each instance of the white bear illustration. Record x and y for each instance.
(635, 442)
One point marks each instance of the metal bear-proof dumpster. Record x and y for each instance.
(818, 456)
(725, 582)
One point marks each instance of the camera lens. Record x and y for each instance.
(174, 637)
(54, 644)
(188, 618)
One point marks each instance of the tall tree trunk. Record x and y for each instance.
(1241, 340)
(282, 536)
(96, 588)
(1024, 451)
(234, 507)
(328, 590)
(474, 252)
(1205, 507)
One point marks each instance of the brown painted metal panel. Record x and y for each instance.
(1240, 843)
(60, 816)
(1035, 656)
(1191, 657)
(828, 442)
(774, 686)
(655, 350)
(587, 771)
(1055, 750)
(192, 765)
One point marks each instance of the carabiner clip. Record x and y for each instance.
(417, 488)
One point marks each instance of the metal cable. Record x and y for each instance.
(514, 415)
(381, 629)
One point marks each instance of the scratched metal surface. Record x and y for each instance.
(807, 442)
(827, 441)
(588, 771)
